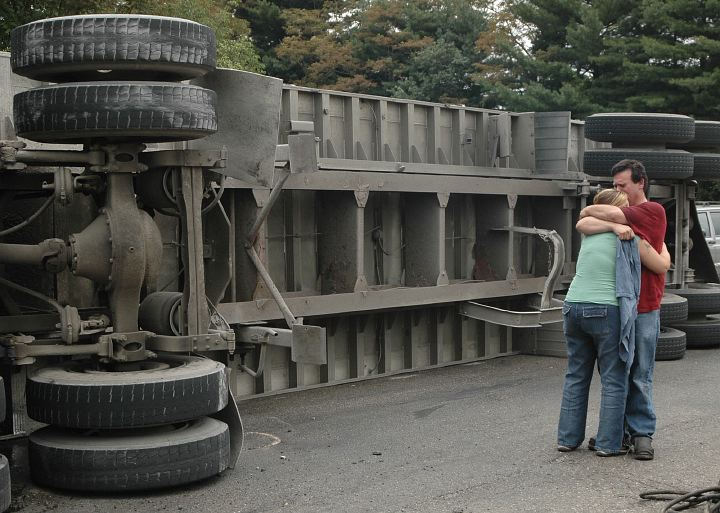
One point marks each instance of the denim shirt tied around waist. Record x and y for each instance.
(627, 290)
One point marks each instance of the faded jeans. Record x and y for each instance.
(639, 412)
(592, 333)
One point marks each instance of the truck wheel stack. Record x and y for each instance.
(134, 419)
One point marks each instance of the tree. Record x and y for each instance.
(605, 55)
(531, 66)
(423, 49)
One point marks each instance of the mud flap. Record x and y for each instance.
(230, 415)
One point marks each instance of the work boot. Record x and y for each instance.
(643, 449)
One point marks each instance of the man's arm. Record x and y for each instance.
(605, 213)
(593, 225)
(659, 263)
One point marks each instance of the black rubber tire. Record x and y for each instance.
(112, 47)
(671, 344)
(702, 331)
(74, 395)
(659, 164)
(707, 166)
(133, 460)
(673, 308)
(623, 127)
(116, 111)
(159, 313)
(703, 298)
(707, 137)
(5, 488)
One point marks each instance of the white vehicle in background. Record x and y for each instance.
(709, 219)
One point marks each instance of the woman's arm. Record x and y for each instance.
(659, 263)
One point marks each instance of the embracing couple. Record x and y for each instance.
(611, 315)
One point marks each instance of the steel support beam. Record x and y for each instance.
(369, 300)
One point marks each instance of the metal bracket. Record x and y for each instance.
(300, 154)
(120, 158)
(307, 344)
(20, 349)
(535, 317)
(213, 159)
(8, 155)
(217, 341)
(557, 257)
(128, 347)
(14, 156)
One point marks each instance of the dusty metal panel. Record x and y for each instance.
(384, 299)
(460, 236)
(492, 248)
(547, 341)
(470, 339)
(430, 169)
(424, 240)
(524, 135)
(251, 119)
(398, 182)
(278, 238)
(553, 141)
(471, 138)
(371, 128)
(337, 242)
(336, 141)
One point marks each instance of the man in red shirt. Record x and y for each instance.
(647, 220)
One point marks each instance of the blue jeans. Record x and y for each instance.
(639, 412)
(592, 332)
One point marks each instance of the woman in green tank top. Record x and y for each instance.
(591, 323)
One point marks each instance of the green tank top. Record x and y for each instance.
(594, 280)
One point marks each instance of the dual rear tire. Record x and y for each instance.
(142, 427)
(115, 77)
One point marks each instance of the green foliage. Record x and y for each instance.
(708, 191)
(423, 49)
(606, 55)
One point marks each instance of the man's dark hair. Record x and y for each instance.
(637, 172)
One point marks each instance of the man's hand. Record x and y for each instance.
(623, 232)
(604, 212)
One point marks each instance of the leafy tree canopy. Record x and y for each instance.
(423, 49)
(605, 55)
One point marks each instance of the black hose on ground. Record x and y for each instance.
(681, 500)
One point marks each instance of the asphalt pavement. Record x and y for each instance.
(469, 438)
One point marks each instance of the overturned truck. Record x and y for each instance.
(176, 236)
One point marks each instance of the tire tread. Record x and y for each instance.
(102, 406)
(118, 468)
(149, 111)
(663, 164)
(75, 47)
(633, 127)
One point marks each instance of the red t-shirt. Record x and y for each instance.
(648, 222)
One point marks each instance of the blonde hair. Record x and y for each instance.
(611, 197)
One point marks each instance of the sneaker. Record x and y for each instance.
(643, 449)
(566, 448)
(624, 448)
